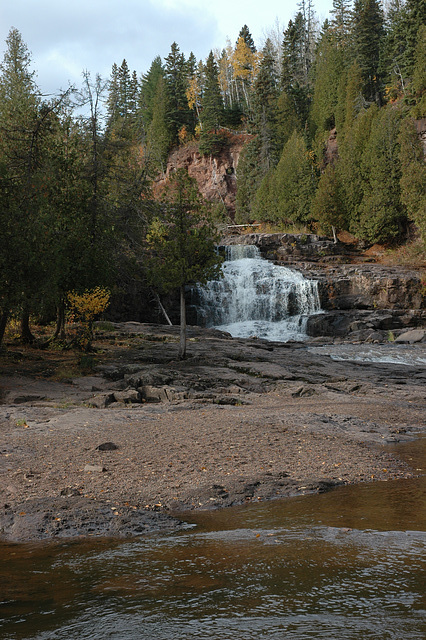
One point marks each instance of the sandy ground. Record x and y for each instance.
(69, 469)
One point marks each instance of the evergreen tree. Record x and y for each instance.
(382, 214)
(121, 103)
(181, 243)
(178, 112)
(148, 90)
(212, 103)
(23, 128)
(350, 167)
(368, 30)
(350, 101)
(327, 205)
(159, 137)
(413, 175)
(418, 85)
(265, 108)
(341, 22)
(244, 67)
(286, 195)
(294, 80)
(249, 176)
(329, 68)
(247, 37)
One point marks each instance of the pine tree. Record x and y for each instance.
(244, 63)
(159, 137)
(265, 108)
(212, 103)
(23, 127)
(178, 112)
(247, 37)
(295, 66)
(329, 68)
(368, 30)
(148, 89)
(181, 243)
(121, 103)
(341, 22)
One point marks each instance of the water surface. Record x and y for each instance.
(349, 564)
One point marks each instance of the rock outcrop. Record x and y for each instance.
(215, 175)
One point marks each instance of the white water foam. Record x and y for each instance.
(257, 298)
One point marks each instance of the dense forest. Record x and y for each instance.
(77, 210)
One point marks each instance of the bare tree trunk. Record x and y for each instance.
(182, 340)
(60, 321)
(26, 335)
(162, 309)
(3, 322)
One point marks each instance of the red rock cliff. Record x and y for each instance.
(216, 176)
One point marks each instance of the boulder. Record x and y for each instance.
(415, 335)
(128, 396)
(101, 401)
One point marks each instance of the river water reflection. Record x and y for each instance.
(349, 564)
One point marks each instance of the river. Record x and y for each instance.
(344, 565)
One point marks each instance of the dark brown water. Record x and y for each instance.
(346, 565)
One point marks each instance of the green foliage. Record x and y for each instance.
(413, 175)
(382, 214)
(178, 112)
(182, 238)
(327, 205)
(329, 67)
(148, 91)
(249, 177)
(351, 151)
(211, 102)
(181, 243)
(418, 87)
(368, 30)
(286, 194)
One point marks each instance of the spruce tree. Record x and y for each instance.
(368, 30)
(212, 103)
(247, 37)
(23, 129)
(148, 89)
(178, 112)
(181, 243)
(265, 108)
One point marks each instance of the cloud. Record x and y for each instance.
(66, 39)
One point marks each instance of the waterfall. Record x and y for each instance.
(257, 298)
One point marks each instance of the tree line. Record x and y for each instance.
(77, 205)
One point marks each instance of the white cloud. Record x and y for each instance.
(66, 38)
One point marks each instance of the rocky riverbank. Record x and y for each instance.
(124, 450)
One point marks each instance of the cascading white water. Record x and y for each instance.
(257, 298)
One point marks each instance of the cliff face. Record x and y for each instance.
(216, 176)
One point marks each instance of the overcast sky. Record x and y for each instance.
(66, 37)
